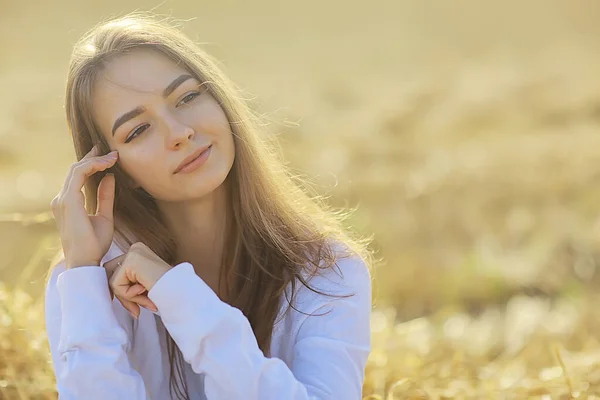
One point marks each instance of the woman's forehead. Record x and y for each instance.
(140, 71)
(128, 80)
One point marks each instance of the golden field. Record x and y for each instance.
(467, 137)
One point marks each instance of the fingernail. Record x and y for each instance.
(133, 315)
(153, 308)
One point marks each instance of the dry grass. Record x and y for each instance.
(479, 178)
(25, 367)
(516, 351)
(484, 211)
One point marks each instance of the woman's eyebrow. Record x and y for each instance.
(139, 110)
(175, 84)
(126, 117)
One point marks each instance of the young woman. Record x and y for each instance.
(192, 243)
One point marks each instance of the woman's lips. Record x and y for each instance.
(197, 162)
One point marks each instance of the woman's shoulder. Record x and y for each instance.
(346, 276)
(344, 269)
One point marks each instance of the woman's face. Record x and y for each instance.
(155, 114)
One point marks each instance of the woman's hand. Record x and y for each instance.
(85, 238)
(140, 268)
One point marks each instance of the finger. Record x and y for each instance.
(82, 170)
(92, 153)
(130, 306)
(106, 197)
(135, 290)
(144, 301)
(88, 167)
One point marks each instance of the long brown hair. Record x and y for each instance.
(277, 233)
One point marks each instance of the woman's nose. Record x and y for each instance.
(178, 133)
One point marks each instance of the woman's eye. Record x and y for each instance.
(189, 97)
(136, 132)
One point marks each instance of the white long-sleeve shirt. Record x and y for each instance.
(100, 352)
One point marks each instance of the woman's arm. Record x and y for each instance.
(329, 353)
(87, 343)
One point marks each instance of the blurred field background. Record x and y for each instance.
(466, 133)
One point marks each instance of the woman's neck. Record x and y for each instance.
(199, 229)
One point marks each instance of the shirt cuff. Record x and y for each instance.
(178, 291)
(85, 302)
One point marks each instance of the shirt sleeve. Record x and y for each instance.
(87, 343)
(330, 349)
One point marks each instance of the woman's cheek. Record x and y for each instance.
(139, 169)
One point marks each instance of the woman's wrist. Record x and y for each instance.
(81, 263)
